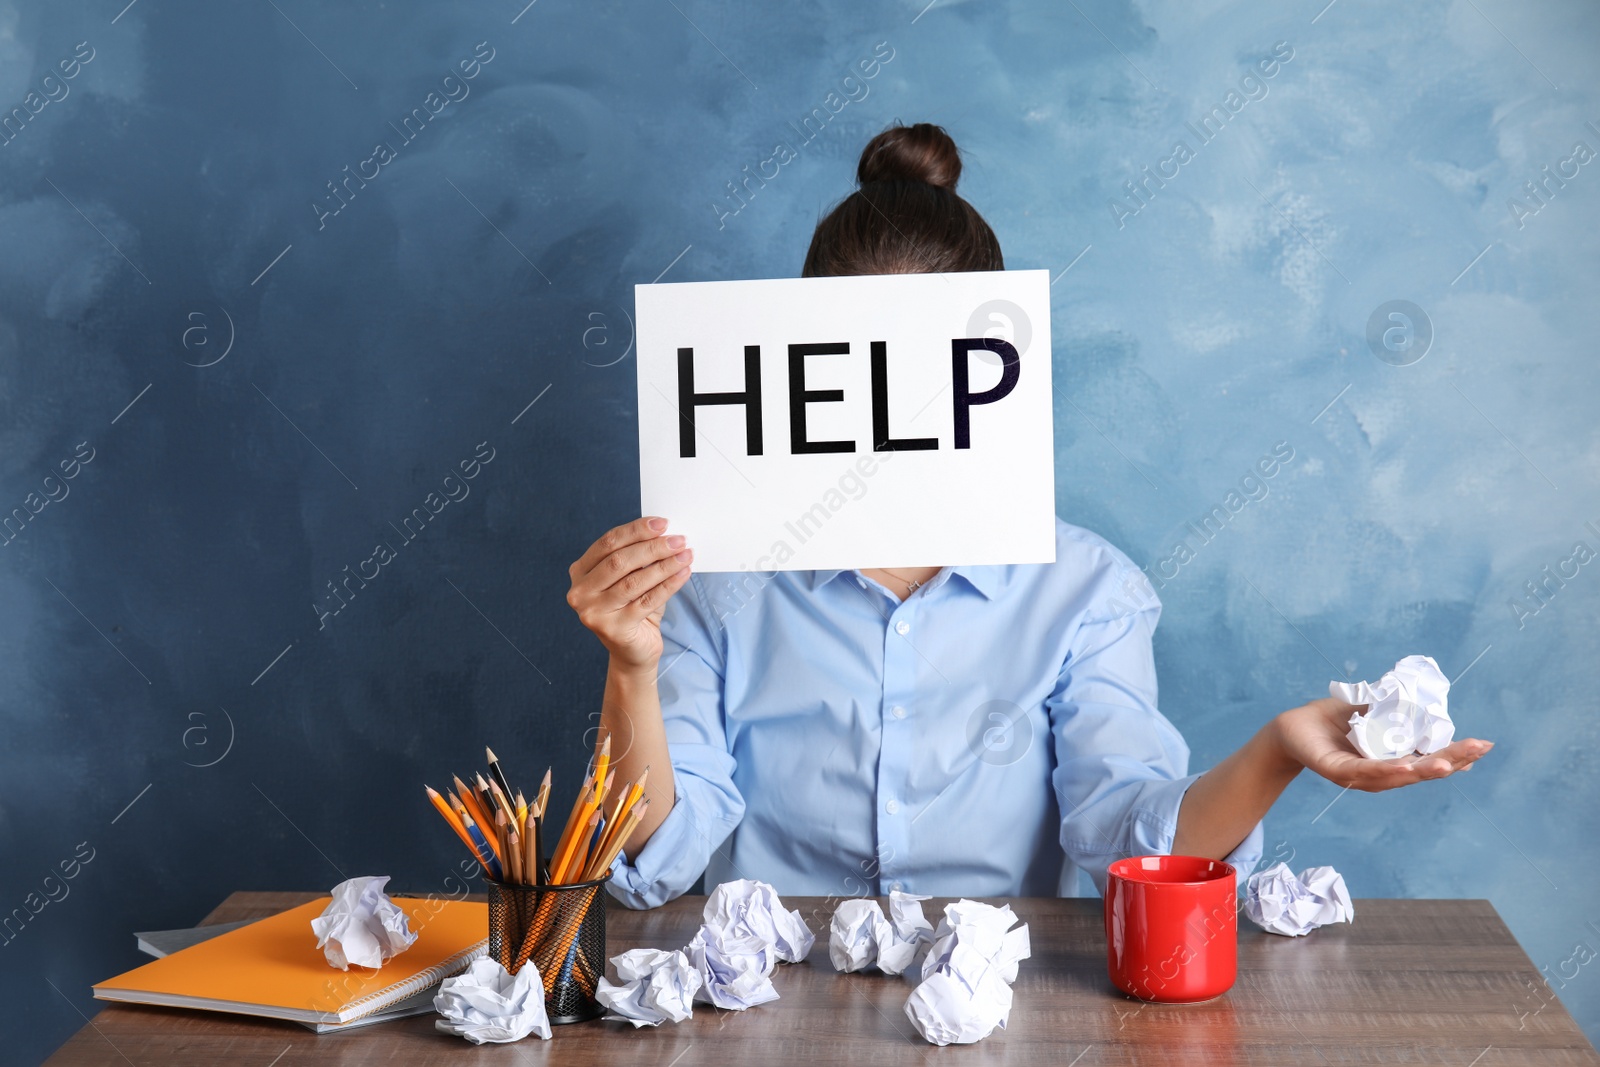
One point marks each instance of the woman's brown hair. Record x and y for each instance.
(905, 217)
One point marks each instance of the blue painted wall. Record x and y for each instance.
(170, 599)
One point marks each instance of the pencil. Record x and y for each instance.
(616, 817)
(602, 761)
(484, 848)
(590, 841)
(619, 813)
(537, 859)
(451, 818)
(496, 772)
(445, 810)
(572, 824)
(503, 803)
(602, 862)
(570, 864)
(584, 827)
(466, 818)
(485, 795)
(470, 800)
(514, 843)
(542, 798)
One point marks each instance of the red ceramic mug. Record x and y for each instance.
(1172, 927)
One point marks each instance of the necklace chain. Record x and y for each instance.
(911, 586)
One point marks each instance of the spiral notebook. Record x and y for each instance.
(274, 968)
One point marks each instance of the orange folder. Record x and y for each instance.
(274, 968)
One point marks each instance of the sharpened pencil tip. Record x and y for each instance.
(487, 751)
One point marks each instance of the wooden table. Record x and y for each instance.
(1410, 981)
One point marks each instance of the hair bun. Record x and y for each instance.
(920, 153)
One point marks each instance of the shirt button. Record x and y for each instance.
(898, 712)
(902, 628)
(897, 886)
(893, 807)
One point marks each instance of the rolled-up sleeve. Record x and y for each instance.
(1121, 766)
(707, 806)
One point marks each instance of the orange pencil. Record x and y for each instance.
(486, 796)
(592, 841)
(451, 818)
(582, 844)
(572, 821)
(470, 800)
(581, 824)
(467, 820)
(490, 859)
(571, 863)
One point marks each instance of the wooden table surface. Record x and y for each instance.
(1410, 981)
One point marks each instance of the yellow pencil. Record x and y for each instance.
(601, 763)
(603, 860)
(619, 813)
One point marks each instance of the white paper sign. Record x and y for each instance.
(899, 420)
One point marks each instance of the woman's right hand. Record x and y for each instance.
(621, 585)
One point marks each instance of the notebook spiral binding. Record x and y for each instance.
(391, 995)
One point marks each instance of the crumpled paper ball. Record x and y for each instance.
(735, 968)
(986, 930)
(965, 993)
(1282, 903)
(656, 986)
(1407, 710)
(859, 935)
(853, 934)
(362, 926)
(750, 907)
(485, 1004)
(960, 1005)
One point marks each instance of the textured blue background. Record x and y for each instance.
(492, 263)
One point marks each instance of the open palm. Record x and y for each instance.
(1316, 735)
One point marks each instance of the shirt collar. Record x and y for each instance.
(988, 580)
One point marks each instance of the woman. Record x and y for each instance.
(977, 731)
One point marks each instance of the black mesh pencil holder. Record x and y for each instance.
(561, 930)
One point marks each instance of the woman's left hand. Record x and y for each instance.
(1315, 735)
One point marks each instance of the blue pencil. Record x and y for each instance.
(485, 851)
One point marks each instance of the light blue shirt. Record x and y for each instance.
(991, 735)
